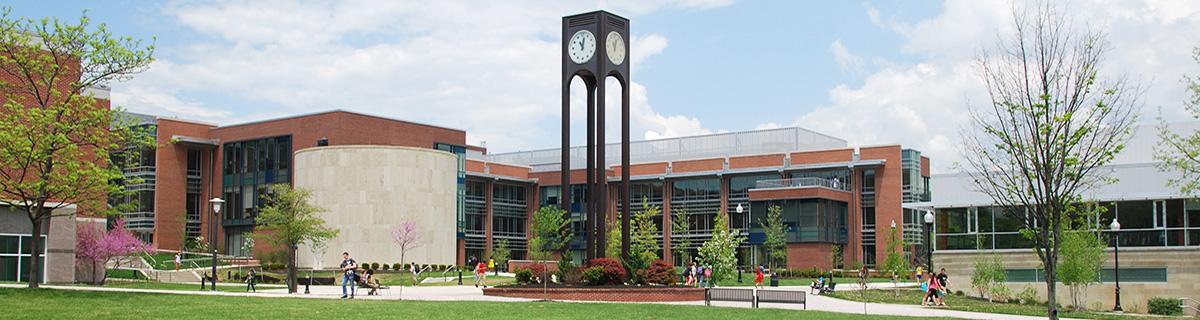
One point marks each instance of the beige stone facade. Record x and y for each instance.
(1182, 264)
(368, 190)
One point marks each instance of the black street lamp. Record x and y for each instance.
(929, 240)
(1116, 227)
(212, 242)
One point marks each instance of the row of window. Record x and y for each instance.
(806, 220)
(1144, 223)
(14, 257)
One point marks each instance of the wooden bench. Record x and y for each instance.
(781, 296)
(726, 294)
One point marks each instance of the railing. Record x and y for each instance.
(803, 182)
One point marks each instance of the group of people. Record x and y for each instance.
(696, 274)
(935, 287)
(353, 276)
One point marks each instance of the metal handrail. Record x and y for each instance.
(803, 182)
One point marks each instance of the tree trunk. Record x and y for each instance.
(291, 271)
(35, 251)
(1051, 288)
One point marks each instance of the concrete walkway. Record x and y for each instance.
(470, 293)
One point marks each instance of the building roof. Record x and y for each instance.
(338, 111)
(709, 146)
(1134, 170)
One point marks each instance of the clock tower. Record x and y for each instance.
(596, 47)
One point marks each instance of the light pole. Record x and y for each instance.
(212, 242)
(929, 240)
(1116, 227)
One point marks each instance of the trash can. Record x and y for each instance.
(774, 280)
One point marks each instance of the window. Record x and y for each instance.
(868, 217)
(868, 181)
(1160, 214)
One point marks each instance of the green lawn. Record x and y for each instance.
(963, 303)
(63, 304)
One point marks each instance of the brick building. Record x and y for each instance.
(831, 194)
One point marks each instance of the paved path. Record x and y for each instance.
(470, 293)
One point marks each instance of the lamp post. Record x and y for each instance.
(929, 240)
(212, 242)
(1116, 227)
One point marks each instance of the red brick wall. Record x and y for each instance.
(808, 255)
(888, 182)
(924, 166)
(508, 170)
(799, 193)
(823, 156)
(641, 169)
(170, 191)
(759, 161)
(697, 165)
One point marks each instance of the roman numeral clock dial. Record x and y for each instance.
(581, 47)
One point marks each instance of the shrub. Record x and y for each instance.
(1164, 306)
(385, 267)
(570, 274)
(524, 276)
(594, 275)
(537, 272)
(1028, 295)
(613, 272)
(661, 272)
(397, 266)
(374, 266)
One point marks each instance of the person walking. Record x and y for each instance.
(416, 273)
(480, 274)
(349, 266)
(708, 275)
(758, 277)
(699, 276)
(687, 274)
(178, 261)
(252, 281)
(944, 284)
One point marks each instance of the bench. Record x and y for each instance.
(725, 294)
(829, 288)
(782, 296)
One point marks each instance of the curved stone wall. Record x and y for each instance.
(368, 190)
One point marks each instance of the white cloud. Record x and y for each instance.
(848, 61)
(488, 68)
(923, 105)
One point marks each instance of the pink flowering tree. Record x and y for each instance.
(407, 237)
(97, 248)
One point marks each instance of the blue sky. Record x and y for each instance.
(873, 72)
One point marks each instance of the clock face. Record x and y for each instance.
(582, 46)
(615, 45)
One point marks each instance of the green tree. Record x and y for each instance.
(289, 218)
(720, 252)
(776, 232)
(835, 257)
(551, 233)
(643, 245)
(58, 145)
(1051, 125)
(501, 253)
(895, 263)
(1181, 153)
(988, 276)
(613, 249)
(680, 242)
(1082, 256)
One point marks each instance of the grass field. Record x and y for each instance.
(181, 286)
(963, 303)
(62, 304)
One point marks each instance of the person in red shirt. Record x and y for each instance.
(758, 277)
(480, 275)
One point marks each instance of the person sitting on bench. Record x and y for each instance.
(371, 282)
(818, 285)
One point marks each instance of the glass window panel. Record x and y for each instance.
(1006, 220)
(9, 244)
(8, 268)
(1192, 207)
(953, 220)
(1136, 214)
(1175, 213)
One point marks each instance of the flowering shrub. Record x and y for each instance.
(611, 272)
(660, 272)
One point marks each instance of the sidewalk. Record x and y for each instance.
(470, 293)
